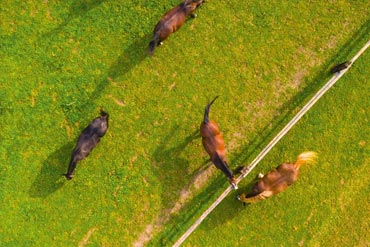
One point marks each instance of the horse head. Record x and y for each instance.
(233, 183)
(241, 198)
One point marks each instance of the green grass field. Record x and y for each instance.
(147, 180)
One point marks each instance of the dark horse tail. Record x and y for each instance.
(71, 168)
(153, 43)
(206, 110)
(224, 167)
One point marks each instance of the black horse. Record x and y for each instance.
(339, 67)
(88, 139)
(172, 21)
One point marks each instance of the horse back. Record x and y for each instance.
(278, 179)
(288, 172)
(209, 129)
(170, 22)
(86, 142)
(214, 146)
(212, 139)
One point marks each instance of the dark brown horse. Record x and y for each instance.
(339, 67)
(278, 179)
(172, 21)
(214, 145)
(88, 139)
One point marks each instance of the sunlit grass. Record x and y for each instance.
(61, 62)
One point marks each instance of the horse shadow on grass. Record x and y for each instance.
(178, 223)
(226, 211)
(231, 207)
(171, 163)
(77, 9)
(131, 57)
(134, 52)
(50, 178)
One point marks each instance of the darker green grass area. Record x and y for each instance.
(64, 61)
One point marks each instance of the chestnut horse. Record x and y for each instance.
(214, 145)
(278, 179)
(172, 21)
(87, 140)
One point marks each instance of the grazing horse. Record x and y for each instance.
(214, 145)
(88, 139)
(340, 67)
(172, 21)
(278, 179)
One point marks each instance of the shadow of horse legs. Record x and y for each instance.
(132, 56)
(172, 164)
(77, 9)
(50, 178)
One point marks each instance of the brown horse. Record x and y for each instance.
(87, 140)
(278, 179)
(172, 21)
(214, 145)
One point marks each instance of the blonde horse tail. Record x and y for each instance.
(308, 157)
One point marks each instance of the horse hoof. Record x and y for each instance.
(260, 175)
(160, 43)
(238, 197)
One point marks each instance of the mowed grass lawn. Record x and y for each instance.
(147, 181)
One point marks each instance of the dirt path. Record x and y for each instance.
(164, 216)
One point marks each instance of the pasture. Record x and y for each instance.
(148, 179)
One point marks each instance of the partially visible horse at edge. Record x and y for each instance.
(214, 145)
(87, 140)
(172, 21)
(277, 180)
(339, 67)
